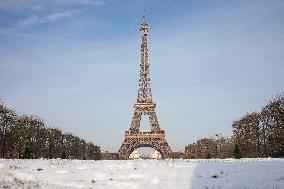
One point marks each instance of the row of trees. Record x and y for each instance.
(256, 134)
(261, 134)
(213, 147)
(23, 136)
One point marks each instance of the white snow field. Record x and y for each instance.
(148, 174)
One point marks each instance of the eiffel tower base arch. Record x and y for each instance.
(155, 140)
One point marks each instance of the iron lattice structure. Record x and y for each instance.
(144, 105)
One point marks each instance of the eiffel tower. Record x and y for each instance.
(144, 105)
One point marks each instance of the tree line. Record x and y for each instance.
(213, 147)
(255, 134)
(27, 136)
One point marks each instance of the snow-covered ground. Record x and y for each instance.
(148, 174)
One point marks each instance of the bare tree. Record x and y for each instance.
(220, 147)
(93, 151)
(272, 127)
(55, 143)
(247, 134)
(224, 147)
(203, 149)
(7, 120)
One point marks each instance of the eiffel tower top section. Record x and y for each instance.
(144, 91)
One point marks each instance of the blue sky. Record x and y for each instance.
(75, 63)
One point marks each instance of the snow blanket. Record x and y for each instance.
(149, 174)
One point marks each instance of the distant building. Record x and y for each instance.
(134, 155)
(155, 155)
(105, 155)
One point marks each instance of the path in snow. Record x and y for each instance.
(137, 174)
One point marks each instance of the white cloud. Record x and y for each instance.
(29, 21)
(82, 2)
(42, 11)
(58, 15)
(38, 5)
(93, 2)
(52, 17)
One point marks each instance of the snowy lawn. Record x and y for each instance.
(148, 174)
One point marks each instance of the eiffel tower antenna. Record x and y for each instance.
(144, 105)
(144, 13)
